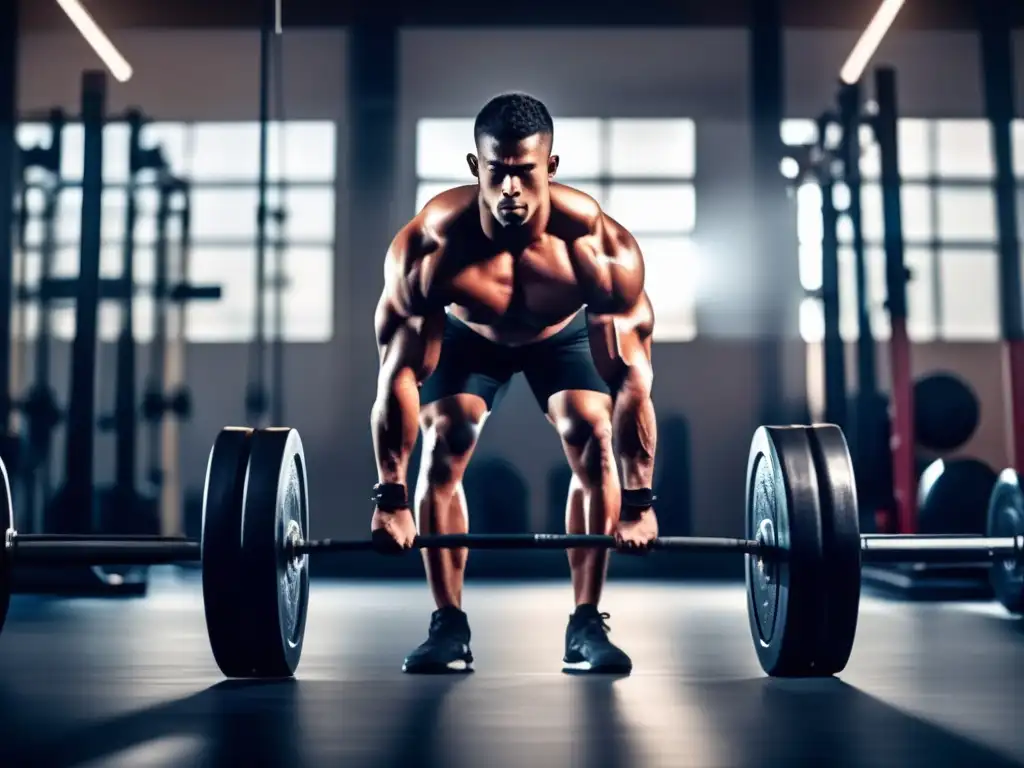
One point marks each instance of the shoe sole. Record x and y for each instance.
(585, 667)
(459, 666)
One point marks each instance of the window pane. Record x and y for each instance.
(652, 148)
(870, 211)
(653, 208)
(35, 202)
(172, 138)
(427, 190)
(108, 322)
(30, 135)
(915, 147)
(809, 225)
(967, 214)
(916, 210)
(115, 153)
(307, 152)
(307, 301)
(970, 294)
(66, 263)
(231, 318)
(920, 294)
(870, 154)
(72, 152)
(964, 149)
(147, 203)
(874, 259)
(578, 146)
(309, 213)
(810, 266)
(69, 216)
(224, 213)
(670, 282)
(798, 131)
(812, 320)
(441, 148)
(225, 151)
(1018, 148)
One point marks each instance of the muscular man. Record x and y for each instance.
(489, 280)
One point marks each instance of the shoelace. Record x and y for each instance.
(443, 624)
(597, 620)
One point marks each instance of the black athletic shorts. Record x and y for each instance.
(473, 365)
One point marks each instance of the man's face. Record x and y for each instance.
(514, 176)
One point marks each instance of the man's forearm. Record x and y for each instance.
(635, 432)
(394, 422)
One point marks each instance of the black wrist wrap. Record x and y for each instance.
(638, 498)
(390, 496)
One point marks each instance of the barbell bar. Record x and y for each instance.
(160, 550)
(804, 549)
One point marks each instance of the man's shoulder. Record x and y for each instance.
(574, 209)
(431, 227)
(442, 213)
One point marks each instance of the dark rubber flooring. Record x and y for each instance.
(132, 683)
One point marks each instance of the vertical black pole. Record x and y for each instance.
(9, 34)
(833, 348)
(74, 514)
(126, 402)
(996, 35)
(771, 203)
(372, 116)
(901, 408)
(870, 429)
(256, 397)
(277, 345)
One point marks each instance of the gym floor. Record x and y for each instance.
(132, 683)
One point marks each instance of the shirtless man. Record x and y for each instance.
(515, 274)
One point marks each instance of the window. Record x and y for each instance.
(949, 232)
(221, 160)
(641, 171)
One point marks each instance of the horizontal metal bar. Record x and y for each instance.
(532, 541)
(105, 550)
(939, 549)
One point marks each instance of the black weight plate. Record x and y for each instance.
(276, 595)
(953, 496)
(7, 530)
(840, 537)
(785, 596)
(221, 542)
(1006, 518)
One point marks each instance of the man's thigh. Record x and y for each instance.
(469, 364)
(563, 363)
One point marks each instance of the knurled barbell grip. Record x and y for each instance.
(534, 541)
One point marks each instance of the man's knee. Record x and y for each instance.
(586, 431)
(448, 441)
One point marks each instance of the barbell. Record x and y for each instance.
(803, 549)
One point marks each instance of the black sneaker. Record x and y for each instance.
(587, 647)
(446, 648)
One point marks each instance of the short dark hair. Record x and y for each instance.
(512, 117)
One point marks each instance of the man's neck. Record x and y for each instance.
(514, 238)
